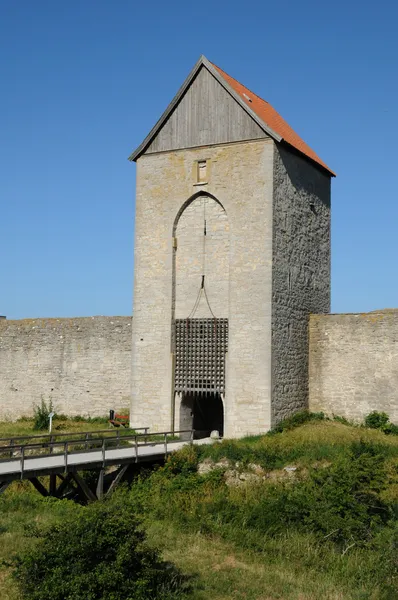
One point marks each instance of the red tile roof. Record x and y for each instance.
(272, 118)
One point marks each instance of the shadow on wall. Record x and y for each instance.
(304, 176)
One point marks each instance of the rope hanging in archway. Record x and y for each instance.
(200, 344)
(202, 289)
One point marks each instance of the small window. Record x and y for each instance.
(202, 170)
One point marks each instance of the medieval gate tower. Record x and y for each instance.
(232, 254)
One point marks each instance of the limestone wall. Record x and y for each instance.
(240, 177)
(82, 364)
(353, 366)
(300, 273)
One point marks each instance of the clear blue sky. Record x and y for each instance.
(82, 82)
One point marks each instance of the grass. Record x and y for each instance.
(24, 427)
(20, 508)
(283, 538)
(223, 537)
(223, 571)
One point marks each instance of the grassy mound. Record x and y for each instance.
(325, 527)
(328, 522)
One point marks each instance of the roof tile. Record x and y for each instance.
(272, 118)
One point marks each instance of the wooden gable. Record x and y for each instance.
(206, 114)
(211, 107)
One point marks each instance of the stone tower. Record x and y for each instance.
(232, 254)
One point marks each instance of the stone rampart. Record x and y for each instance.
(82, 364)
(353, 366)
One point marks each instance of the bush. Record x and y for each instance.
(376, 420)
(41, 414)
(80, 419)
(390, 428)
(299, 418)
(98, 553)
(344, 501)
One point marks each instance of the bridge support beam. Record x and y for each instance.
(4, 486)
(39, 486)
(63, 486)
(52, 488)
(100, 485)
(84, 488)
(119, 476)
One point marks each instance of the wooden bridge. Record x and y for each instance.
(61, 456)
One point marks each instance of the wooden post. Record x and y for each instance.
(66, 456)
(39, 486)
(118, 478)
(53, 485)
(103, 452)
(90, 496)
(63, 485)
(22, 459)
(4, 485)
(100, 485)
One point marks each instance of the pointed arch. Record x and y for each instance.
(201, 252)
(189, 201)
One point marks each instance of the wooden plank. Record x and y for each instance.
(100, 485)
(90, 496)
(63, 486)
(4, 485)
(183, 126)
(119, 476)
(53, 485)
(39, 486)
(207, 114)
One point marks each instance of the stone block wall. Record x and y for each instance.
(353, 367)
(240, 178)
(300, 273)
(82, 364)
(196, 254)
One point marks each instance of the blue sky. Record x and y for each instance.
(82, 83)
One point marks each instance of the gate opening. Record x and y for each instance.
(202, 412)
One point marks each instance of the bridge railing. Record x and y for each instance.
(22, 452)
(52, 437)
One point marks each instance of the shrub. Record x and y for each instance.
(183, 462)
(98, 553)
(299, 418)
(376, 420)
(80, 419)
(343, 420)
(41, 414)
(344, 501)
(390, 428)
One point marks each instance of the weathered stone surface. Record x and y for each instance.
(300, 274)
(240, 178)
(266, 259)
(82, 364)
(353, 366)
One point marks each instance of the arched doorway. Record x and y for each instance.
(202, 412)
(200, 300)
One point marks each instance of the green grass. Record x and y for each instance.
(24, 427)
(330, 532)
(20, 508)
(251, 542)
(293, 567)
